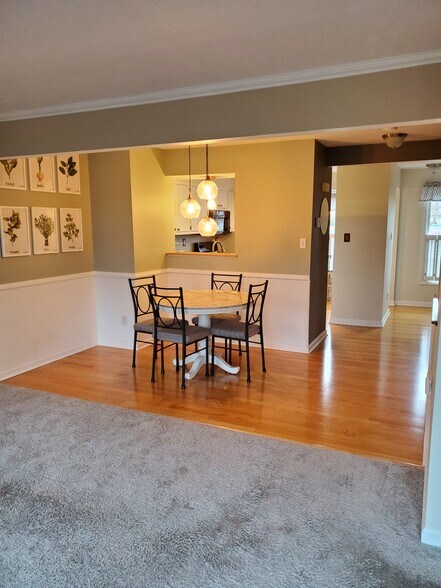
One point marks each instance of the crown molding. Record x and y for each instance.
(269, 81)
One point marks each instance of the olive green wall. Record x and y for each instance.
(112, 211)
(381, 98)
(273, 203)
(55, 264)
(152, 211)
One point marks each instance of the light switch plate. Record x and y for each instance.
(303, 243)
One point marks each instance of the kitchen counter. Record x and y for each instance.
(207, 254)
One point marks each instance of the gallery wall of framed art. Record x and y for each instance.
(42, 222)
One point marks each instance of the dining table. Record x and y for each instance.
(203, 304)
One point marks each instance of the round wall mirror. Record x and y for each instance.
(324, 216)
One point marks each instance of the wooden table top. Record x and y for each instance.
(211, 301)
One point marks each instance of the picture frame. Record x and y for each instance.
(42, 173)
(15, 235)
(71, 230)
(13, 173)
(44, 230)
(68, 173)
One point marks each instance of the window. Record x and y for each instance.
(432, 251)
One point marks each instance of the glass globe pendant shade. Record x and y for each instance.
(190, 208)
(211, 204)
(207, 227)
(207, 189)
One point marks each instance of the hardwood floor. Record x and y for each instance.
(361, 391)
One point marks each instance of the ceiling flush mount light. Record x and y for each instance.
(207, 226)
(190, 208)
(393, 139)
(207, 189)
(432, 189)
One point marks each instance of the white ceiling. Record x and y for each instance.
(67, 53)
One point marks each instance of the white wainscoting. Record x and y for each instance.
(286, 314)
(114, 307)
(44, 320)
(48, 319)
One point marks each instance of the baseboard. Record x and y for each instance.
(413, 303)
(282, 347)
(355, 323)
(386, 316)
(45, 360)
(317, 341)
(431, 537)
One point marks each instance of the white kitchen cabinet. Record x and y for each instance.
(183, 225)
(224, 201)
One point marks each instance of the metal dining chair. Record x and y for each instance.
(144, 321)
(170, 326)
(242, 331)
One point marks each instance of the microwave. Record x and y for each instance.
(222, 218)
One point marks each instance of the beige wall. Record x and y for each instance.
(410, 240)
(112, 211)
(152, 211)
(43, 266)
(359, 266)
(273, 203)
(381, 98)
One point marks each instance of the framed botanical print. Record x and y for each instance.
(44, 230)
(71, 228)
(15, 237)
(42, 173)
(13, 173)
(68, 173)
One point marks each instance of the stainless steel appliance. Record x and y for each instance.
(222, 218)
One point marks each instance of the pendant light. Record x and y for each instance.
(393, 138)
(207, 189)
(431, 191)
(207, 226)
(190, 208)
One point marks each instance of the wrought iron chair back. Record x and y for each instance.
(227, 282)
(143, 310)
(256, 300)
(139, 289)
(168, 308)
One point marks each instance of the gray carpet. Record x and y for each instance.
(99, 496)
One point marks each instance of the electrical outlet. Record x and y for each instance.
(184, 242)
(303, 243)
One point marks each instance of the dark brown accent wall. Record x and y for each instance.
(319, 248)
(359, 154)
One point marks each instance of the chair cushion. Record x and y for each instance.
(216, 319)
(192, 334)
(233, 329)
(147, 326)
(144, 326)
